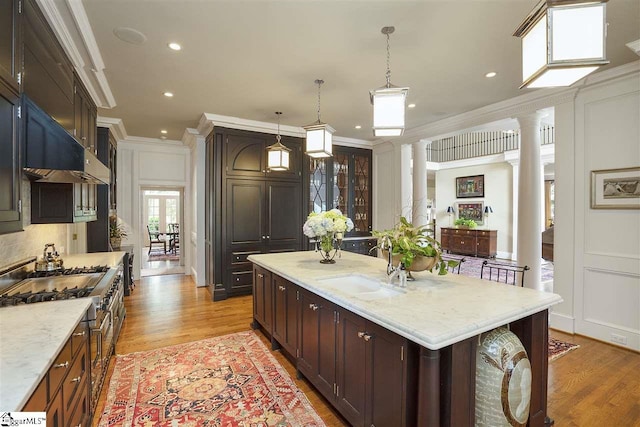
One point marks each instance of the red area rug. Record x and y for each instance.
(559, 348)
(225, 381)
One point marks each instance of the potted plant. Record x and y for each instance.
(465, 223)
(411, 246)
(116, 232)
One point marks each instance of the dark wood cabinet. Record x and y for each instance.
(10, 46)
(481, 243)
(362, 246)
(10, 161)
(48, 73)
(84, 118)
(250, 210)
(351, 368)
(285, 314)
(262, 298)
(98, 230)
(58, 203)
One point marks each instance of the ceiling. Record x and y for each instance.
(249, 59)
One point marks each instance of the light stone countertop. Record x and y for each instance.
(436, 311)
(31, 336)
(111, 259)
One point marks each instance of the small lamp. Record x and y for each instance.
(450, 211)
(278, 154)
(319, 134)
(487, 211)
(562, 42)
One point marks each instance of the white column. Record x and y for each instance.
(405, 180)
(420, 208)
(515, 170)
(529, 205)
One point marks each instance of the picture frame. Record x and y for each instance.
(471, 210)
(469, 186)
(615, 188)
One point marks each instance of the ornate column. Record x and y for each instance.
(420, 213)
(530, 200)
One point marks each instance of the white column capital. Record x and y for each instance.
(531, 119)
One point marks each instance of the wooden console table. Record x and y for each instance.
(469, 241)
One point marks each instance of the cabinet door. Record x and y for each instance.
(308, 334)
(445, 238)
(285, 314)
(361, 202)
(351, 367)
(245, 155)
(318, 185)
(341, 180)
(284, 216)
(386, 382)
(486, 243)
(326, 379)
(263, 297)
(10, 63)
(10, 167)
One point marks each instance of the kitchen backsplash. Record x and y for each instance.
(30, 242)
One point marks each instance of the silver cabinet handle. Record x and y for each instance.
(75, 380)
(264, 237)
(282, 288)
(313, 307)
(62, 365)
(367, 337)
(79, 334)
(361, 334)
(260, 275)
(268, 237)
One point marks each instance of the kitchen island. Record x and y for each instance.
(440, 319)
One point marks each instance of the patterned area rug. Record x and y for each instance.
(472, 266)
(559, 348)
(159, 255)
(225, 381)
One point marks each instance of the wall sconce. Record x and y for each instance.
(388, 102)
(450, 211)
(319, 135)
(562, 42)
(278, 154)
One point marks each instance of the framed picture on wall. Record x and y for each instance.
(470, 186)
(615, 188)
(471, 210)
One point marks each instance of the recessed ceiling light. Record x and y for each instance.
(174, 46)
(491, 74)
(358, 127)
(411, 106)
(168, 94)
(163, 131)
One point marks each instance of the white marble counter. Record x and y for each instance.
(436, 311)
(31, 336)
(111, 259)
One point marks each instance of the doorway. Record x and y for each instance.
(161, 225)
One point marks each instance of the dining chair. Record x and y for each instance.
(174, 239)
(506, 273)
(155, 238)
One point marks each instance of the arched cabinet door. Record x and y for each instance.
(245, 156)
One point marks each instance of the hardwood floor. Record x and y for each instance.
(595, 385)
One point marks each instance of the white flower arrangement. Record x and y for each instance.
(327, 225)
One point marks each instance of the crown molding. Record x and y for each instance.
(190, 138)
(155, 143)
(115, 125)
(71, 26)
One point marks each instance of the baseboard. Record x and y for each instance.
(562, 322)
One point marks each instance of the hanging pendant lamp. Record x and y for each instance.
(319, 135)
(388, 102)
(562, 42)
(278, 154)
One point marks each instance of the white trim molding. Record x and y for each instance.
(115, 125)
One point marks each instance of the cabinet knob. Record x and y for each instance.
(313, 307)
(79, 334)
(282, 288)
(62, 365)
(268, 237)
(260, 275)
(360, 334)
(264, 237)
(367, 337)
(75, 380)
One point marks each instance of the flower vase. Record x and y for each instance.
(328, 246)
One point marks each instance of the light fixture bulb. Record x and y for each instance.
(168, 94)
(174, 46)
(163, 131)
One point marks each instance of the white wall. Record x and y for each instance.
(498, 194)
(600, 282)
(147, 164)
(197, 146)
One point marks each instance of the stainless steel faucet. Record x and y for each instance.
(401, 273)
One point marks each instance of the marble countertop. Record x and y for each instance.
(111, 259)
(435, 311)
(31, 336)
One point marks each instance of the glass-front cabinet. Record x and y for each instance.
(344, 182)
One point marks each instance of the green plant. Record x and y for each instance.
(410, 242)
(116, 229)
(465, 222)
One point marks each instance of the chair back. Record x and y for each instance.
(459, 260)
(505, 273)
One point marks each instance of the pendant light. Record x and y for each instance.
(319, 135)
(388, 102)
(562, 42)
(278, 154)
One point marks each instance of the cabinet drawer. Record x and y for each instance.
(239, 258)
(241, 278)
(60, 367)
(38, 400)
(79, 338)
(77, 375)
(79, 412)
(54, 411)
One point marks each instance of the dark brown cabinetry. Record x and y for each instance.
(64, 392)
(10, 161)
(250, 210)
(10, 50)
(48, 73)
(285, 314)
(481, 243)
(58, 203)
(262, 298)
(84, 118)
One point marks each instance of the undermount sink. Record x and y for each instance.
(361, 286)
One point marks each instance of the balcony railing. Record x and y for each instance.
(478, 144)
